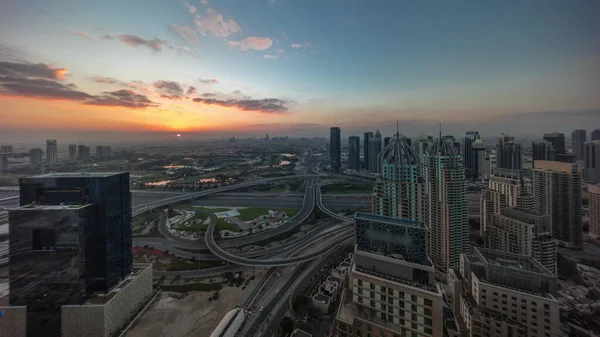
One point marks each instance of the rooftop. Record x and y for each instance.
(300, 333)
(389, 220)
(38, 207)
(97, 299)
(511, 261)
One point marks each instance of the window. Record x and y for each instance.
(43, 239)
(428, 302)
(427, 312)
(360, 283)
(372, 286)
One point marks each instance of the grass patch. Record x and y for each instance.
(220, 224)
(248, 214)
(178, 264)
(184, 288)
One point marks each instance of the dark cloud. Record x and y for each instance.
(40, 88)
(191, 91)
(209, 80)
(169, 89)
(208, 94)
(106, 80)
(236, 92)
(155, 44)
(44, 82)
(123, 98)
(39, 70)
(266, 105)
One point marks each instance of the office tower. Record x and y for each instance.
(421, 145)
(70, 237)
(594, 213)
(374, 149)
(6, 149)
(51, 151)
(103, 151)
(508, 153)
(595, 135)
(399, 189)
(557, 191)
(560, 151)
(592, 162)
(367, 138)
(579, 138)
(3, 161)
(478, 160)
(391, 291)
(267, 136)
(83, 152)
(448, 209)
(525, 233)
(386, 141)
(72, 152)
(507, 294)
(408, 141)
(468, 160)
(354, 153)
(335, 150)
(36, 157)
(542, 151)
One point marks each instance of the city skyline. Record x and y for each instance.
(87, 71)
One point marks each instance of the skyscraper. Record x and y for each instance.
(3, 161)
(374, 149)
(335, 151)
(595, 135)
(367, 138)
(560, 151)
(594, 204)
(36, 157)
(468, 161)
(354, 153)
(51, 151)
(399, 189)
(557, 191)
(479, 161)
(508, 153)
(392, 289)
(83, 152)
(448, 209)
(542, 151)
(579, 138)
(386, 141)
(72, 152)
(592, 162)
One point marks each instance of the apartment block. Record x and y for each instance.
(557, 191)
(505, 294)
(594, 214)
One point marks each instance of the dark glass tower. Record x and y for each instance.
(335, 151)
(354, 153)
(508, 153)
(108, 204)
(468, 157)
(367, 137)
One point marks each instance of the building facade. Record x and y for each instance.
(579, 138)
(542, 151)
(367, 137)
(72, 152)
(595, 135)
(354, 153)
(594, 204)
(557, 191)
(399, 189)
(83, 152)
(392, 290)
(448, 209)
(374, 149)
(508, 154)
(507, 294)
(51, 151)
(467, 148)
(479, 161)
(592, 162)
(36, 157)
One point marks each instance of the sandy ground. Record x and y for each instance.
(190, 316)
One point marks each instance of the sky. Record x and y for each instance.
(124, 69)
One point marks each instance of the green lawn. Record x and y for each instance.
(199, 215)
(248, 214)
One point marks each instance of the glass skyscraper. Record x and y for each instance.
(354, 153)
(70, 237)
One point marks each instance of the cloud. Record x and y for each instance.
(155, 44)
(186, 32)
(190, 91)
(257, 43)
(271, 56)
(204, 2)
(265, 105)
(39, 70)
(106, 80)
(216, 24)
(169, 89)
(208, 94)
(190, 8)
(40, 88)
(84, 34)
(300, 45)
(42, 81)
(209, 80)
(122, 98)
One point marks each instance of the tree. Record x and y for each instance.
(287, 325)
